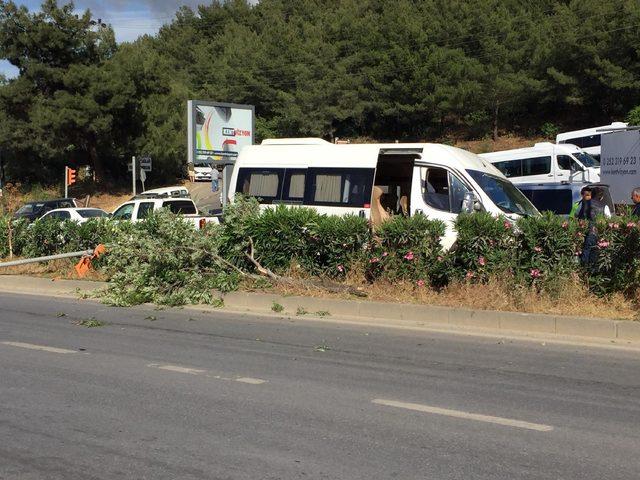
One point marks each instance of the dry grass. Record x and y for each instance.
(506, 142)
(54, 269)
(573, 300)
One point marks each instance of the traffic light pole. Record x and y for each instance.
(66, 182)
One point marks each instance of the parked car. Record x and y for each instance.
(139, 208)
(177, 191)
(202, 171)
(34, 210)
(79, 215)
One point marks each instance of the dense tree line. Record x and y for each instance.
(401, 69)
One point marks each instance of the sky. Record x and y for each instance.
(129, 18)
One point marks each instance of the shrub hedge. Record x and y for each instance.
(164, 260)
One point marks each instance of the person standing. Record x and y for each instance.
(582, 207)
(589, 209)
(192, 172)
(635, 196)
(215, 179)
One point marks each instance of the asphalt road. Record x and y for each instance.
(183, 394)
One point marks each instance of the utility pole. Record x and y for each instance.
(133, 173)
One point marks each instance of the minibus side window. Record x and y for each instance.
(510, 168)
(442, 190)
(264, 184)
(343, 187)
(564, 162)
(435, 188)
(293, 187)
(536, 166)
(584, 142)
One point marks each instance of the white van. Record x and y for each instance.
(589, 138)
(376, 180)
(546, 162)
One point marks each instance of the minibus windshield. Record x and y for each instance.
(502, 192)
(586, 159)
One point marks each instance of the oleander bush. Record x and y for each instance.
(408, 248)
(165, 260)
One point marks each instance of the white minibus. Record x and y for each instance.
(589, 138)
(546, 162)
(376, 181)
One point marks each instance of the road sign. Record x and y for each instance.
(143, 175)
(145, 163)
(129, 167)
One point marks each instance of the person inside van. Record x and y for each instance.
(635, 196)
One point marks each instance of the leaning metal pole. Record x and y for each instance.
(25, 261)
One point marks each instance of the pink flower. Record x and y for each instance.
(603, 244)
(340, 268)
(631, 225)
(578, 254)
(565, 225)
(535, 273)
(469, 275)
(537, 249)
(420, 283)
(507, 225)
(384, 254)
(440, 258)
(409, 256)
(374, 260)
(481, 261)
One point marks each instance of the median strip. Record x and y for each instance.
(42, 348)
(508, 422)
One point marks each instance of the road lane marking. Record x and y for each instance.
(42, 348)
(196, 371)
(465, 415)
(177, 368)
(251, 381)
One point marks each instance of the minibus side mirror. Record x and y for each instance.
(471, 203)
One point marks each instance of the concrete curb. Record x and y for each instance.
(376, 313)
(412, 315)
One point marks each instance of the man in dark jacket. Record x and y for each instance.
(588, 209)
(635, 196)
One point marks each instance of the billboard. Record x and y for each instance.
(218, 131)
(620, 163)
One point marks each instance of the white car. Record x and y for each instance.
(140, 208)
(202, 171)
(177, 191)
(79, 215)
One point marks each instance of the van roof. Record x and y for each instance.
(316, 152)
(590, 131)
(541, 148)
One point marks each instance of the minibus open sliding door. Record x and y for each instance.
(391, 193)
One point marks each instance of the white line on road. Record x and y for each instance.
(252, 381)
(176, 368)
(195, 371)
(43, 348)
(466, 415)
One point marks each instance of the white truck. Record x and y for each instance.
(140, 207)
(620, 163)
